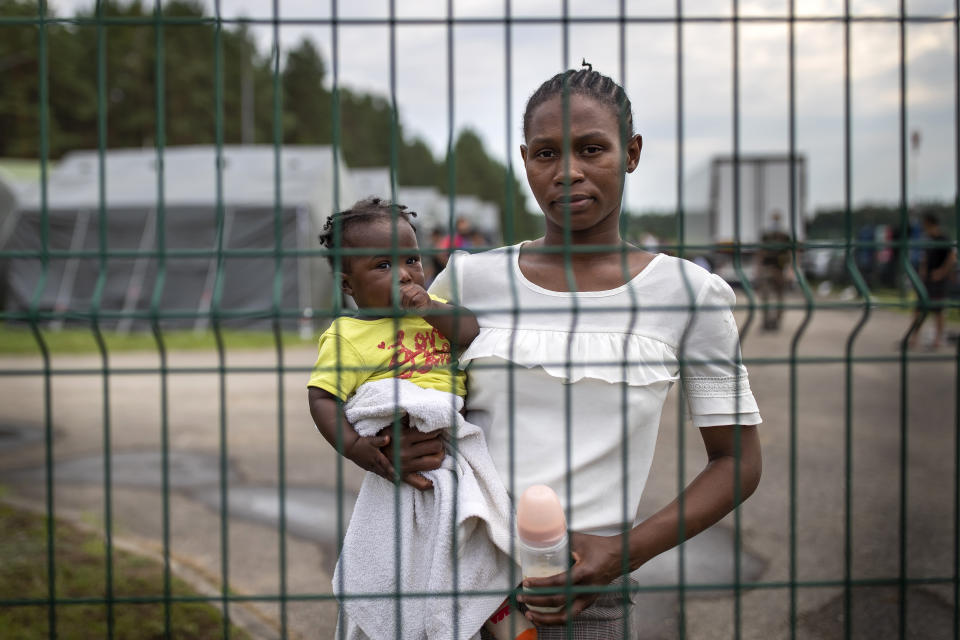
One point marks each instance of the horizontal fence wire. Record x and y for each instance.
(466, 20)
(97, 317)
(718, 587)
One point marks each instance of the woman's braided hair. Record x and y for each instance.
(585, 82)
(362, 211)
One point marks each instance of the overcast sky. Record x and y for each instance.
(481, 74)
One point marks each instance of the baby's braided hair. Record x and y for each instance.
(362, 211)
(585, 82)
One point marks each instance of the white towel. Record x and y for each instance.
(466, 493)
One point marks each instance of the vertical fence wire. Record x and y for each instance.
(102, 266)
(625, 134)
(681, 356)
(956, 239)
(337, 298)
(276, 307)
(221, 242)
(154, 314)
(849, 362)
(398, 537)
(571, 282)
(514, 297)
(738, 267)
(808, 300)
(452, 187)
(904, 360)
(33, 315)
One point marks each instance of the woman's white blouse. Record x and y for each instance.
(593, 369)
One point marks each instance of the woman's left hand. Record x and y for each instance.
(598, 561)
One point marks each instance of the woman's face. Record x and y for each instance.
(587, 191)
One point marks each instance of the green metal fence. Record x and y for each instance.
(914, 569)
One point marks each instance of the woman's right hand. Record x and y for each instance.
(597, 562)
(419, 451)
(366, 453)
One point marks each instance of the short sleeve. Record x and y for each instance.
(714, 378)
(339, 369)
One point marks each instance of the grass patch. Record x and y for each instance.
(80, 573)
(16, 340)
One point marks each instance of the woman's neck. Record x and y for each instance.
(606, 240)
(606, 232)
(608, 267)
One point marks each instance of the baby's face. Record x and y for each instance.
(369, 278)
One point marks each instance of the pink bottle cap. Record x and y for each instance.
(540, 519)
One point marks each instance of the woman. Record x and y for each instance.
(581, 337)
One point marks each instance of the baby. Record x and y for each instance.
(372, 367)
(374, 345)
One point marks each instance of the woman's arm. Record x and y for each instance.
(706, 500)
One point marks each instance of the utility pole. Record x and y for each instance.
(246, 106)
(915, 140)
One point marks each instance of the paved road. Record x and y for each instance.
(257, 397)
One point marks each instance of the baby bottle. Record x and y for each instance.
(541, 536)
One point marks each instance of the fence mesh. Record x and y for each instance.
(856, 526)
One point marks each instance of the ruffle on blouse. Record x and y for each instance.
(592, 355)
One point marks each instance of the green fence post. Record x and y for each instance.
(155, 312)
(216, 320)
(95, 302)
(33, 314)
(276, 310)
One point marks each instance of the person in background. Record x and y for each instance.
(447, 243)
(772, 259)
(463, 238)
(703, 262)
(936, 272)
(478, 240)
(436, 260)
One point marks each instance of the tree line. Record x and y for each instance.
(211, 85)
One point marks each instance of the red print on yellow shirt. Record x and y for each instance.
(431, 348)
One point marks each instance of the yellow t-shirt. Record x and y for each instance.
(407, 348)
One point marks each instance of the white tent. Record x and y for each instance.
(432, 207)
(256, 203)
(371, 181)
(8, 203)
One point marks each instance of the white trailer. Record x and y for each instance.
(742, 217)
(720, 220)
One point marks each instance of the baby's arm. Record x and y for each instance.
(457, 324)
(333, 425)
(418, 451)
